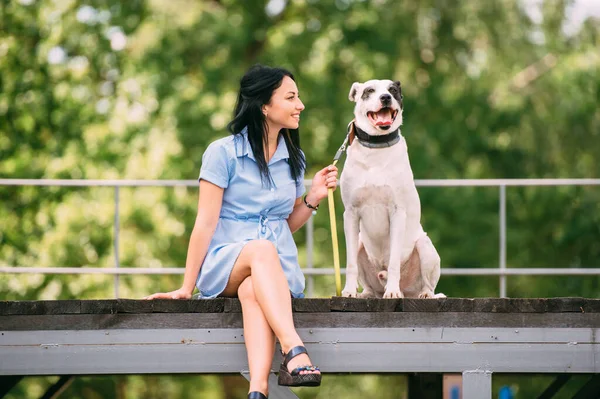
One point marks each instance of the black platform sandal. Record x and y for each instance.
(256, 395)
(294, 378)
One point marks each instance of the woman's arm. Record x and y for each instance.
(210, 200)
(301, 212)
(324, 179)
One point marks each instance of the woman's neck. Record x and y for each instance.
(273, 133)
(273, 139)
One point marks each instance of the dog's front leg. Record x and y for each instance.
(397, 232)
(351, 228)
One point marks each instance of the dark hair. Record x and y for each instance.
(256, 88)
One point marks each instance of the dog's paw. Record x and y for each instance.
(367, 294)
(426, 295)
(393, 294)
(350, 291)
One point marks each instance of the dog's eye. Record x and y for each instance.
(393, 90)
(370, 90)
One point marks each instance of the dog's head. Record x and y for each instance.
(378, 107)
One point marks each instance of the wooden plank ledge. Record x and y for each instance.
(310, 305)
(125, 336)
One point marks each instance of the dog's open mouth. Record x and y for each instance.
(384, 117)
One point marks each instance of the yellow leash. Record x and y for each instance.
(334, 240)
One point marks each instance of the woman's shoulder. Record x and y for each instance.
(225, 142)
(224, 145)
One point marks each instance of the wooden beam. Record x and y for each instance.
(8, 382)
(308, 305)
(58, 388)
(335, 350)
(556, 385)
(425, 385)
(590, 390)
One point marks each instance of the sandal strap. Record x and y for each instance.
(256, 395)
(295, 351)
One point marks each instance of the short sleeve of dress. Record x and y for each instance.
(214, 167)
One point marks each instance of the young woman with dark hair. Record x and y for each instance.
(250, 203)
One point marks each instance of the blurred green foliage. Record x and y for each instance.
(107, 89)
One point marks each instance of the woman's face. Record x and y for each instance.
(284, 109)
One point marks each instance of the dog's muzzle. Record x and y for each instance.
(386, 100)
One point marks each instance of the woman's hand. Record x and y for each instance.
(324, 179)
(177, 294)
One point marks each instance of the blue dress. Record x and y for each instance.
(250, 211)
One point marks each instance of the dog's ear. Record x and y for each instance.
(354, 91)
(400, 96)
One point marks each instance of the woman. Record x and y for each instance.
(250, 203)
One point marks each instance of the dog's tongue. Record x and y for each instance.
(383, 117)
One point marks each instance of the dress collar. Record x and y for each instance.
(242, 147)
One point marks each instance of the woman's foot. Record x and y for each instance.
(301, 360)
(297, 370)
(258, 386)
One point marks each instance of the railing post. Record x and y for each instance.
(477, 384)
(310, 229)
(502, 240)
(116, 240)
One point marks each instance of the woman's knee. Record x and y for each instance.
(261, 252)
(246, 291)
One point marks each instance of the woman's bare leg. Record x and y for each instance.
(260, 261)
(259, 338)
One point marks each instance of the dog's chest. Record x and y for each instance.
(371, 195)
(374, 177)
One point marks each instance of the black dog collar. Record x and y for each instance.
(386, 140)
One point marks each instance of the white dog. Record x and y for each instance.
(387, 250)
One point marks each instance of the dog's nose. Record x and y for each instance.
(385, 98)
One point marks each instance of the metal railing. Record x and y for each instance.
(501, 271)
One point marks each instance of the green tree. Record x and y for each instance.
(138, 89)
